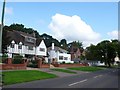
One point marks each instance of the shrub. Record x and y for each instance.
(4, 58)
(63, 62)
(69, 63)
(17, 59)
(33, 64)
(76, 62)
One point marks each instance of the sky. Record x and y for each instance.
(87, 22)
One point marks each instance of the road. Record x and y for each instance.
(101, 79)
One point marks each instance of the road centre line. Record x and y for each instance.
(98, 76)
(77, 82)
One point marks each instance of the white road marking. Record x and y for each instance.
(98, 76)
(77, 82)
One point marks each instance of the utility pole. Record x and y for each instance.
(1, 28)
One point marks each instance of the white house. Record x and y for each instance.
(59, 54)
(26, 45)
(40, 50)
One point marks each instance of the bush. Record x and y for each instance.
(33, 64)
(4, 58)
(63, 62)
(69, 63)
(76, 62)
(17, 59)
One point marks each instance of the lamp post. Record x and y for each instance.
(1, 27)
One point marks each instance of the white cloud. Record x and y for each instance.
(73, 28)
(9, 10)
(113, 34)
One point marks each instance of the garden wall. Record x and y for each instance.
(45, 66)
(40, 65)
(0, 66)
(10, 66)
(69, 65)
(13, 66)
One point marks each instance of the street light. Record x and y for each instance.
(1, 27)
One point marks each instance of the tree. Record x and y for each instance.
(63, 43)
(49, 40)
(75, 44)
(104, 51)
(92, 52)
(18, 27)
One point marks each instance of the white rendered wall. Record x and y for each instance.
(42, 45)
(25, 50)
(64, 55)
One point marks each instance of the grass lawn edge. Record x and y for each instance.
(64, 70)
(22, 76)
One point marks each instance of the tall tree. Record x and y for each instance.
(92, 52)
(63, 43)
(75, 44)
(49, 40)
(104, 51)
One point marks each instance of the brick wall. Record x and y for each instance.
(0, 66)
(10, 66)
(13, 66)
(45, 66)
(69, 65)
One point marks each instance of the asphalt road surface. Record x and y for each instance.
(101, 79)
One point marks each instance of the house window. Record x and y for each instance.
(60, 57)
(30, 47)
(42, 49)
(65, 58)
(12, 45)
(19, 46)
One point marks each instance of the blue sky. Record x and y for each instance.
(102, 17)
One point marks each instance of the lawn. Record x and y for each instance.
(87, 68)
(64, 70)
(12, 77)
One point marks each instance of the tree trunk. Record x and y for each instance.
(109, 65)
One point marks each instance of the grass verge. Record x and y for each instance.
(64, 70)
(12, 77)
(87, 68)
